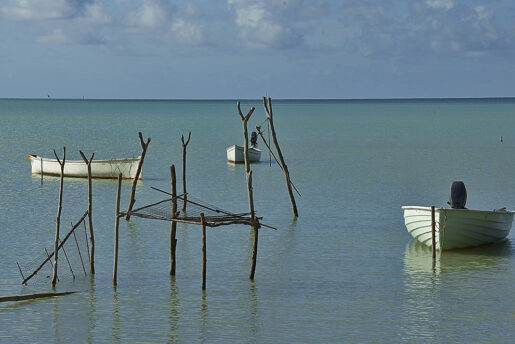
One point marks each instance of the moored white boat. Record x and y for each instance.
(457, 228)
(235, 154)
(78, 168)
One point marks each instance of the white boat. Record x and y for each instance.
(457, 228)
(236, 155)
(78, 168)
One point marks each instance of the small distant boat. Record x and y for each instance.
(78, 168)
(457, 228)
(236, 155)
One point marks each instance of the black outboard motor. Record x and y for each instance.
(253, 139)
(458, 196)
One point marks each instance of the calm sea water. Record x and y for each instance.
(345, 271)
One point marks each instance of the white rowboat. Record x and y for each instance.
(78, 168)
(236, 155)
(457, 228)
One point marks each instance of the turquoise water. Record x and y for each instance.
(345, 271)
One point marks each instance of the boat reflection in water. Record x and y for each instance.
(438, 296)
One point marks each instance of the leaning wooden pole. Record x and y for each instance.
(248, 173)
(90, 213)
(184, 193)
(116, 228)
(173, 229)
(204, 250)
(132, 200)
(58, 219)
(269, 114)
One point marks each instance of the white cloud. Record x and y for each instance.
(267, 23)
(188, 33)
(37, 9)
(440, 4)
(152, 14)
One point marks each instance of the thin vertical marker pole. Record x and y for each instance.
(87, 245)
(116, 227)
(204, 254)
(58, 218)
(91, 255)
(80, 255)
(21, 273)
(41, 170)
(66, 256)
(173, 229)
(433, 231)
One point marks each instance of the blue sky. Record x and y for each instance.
(239, 49)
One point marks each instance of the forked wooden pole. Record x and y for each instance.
(248, 173)
(185, 194)
(58, 219)
(269, 114)
(116, 228)
(204, 254)
(132, 200)
(90, 213)
(173, 229)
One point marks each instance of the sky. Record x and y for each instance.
(245, 49)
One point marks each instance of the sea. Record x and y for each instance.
(344, 271)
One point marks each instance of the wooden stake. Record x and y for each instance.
(58, 219)
(204, 255)
(248, 172)
(90, 213)
(144, 147)
(433, 231)
(33, 296)
(184, 145)
(173, 229)
(269, 114)
(116, 227)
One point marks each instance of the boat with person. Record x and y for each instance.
(236, 154)
(109, 169)
(457, 227)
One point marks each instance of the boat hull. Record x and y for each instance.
(457, 228)
(235, 154)
(109, 169)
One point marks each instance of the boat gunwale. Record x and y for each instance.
(416, 207)
(131, 160)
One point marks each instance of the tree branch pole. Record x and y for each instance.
(173, 229)
(184, 145)
(58, 219)
(90, 213)
(269, 114)
(248, 173)
(204, 250)
(116, 230)
(144, 147)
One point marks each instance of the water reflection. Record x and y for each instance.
(204, 314)
(92, 309)
(174, 311)
(418, 258)
(426, 283)
(115, 329)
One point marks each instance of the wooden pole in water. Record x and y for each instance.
(58, 219)
(269, 114)
(248, 172)
(184, 145)
(90, 213)
(204, 254)
(116, 227)
(144, 147)
(433, 231)
(173, 229)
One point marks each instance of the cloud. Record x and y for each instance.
(268, 23)
(151, 15)
(187, 33)
(42, 9)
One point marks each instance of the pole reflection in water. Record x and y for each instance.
(174, 311)
(115, 329)
(92, 309)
